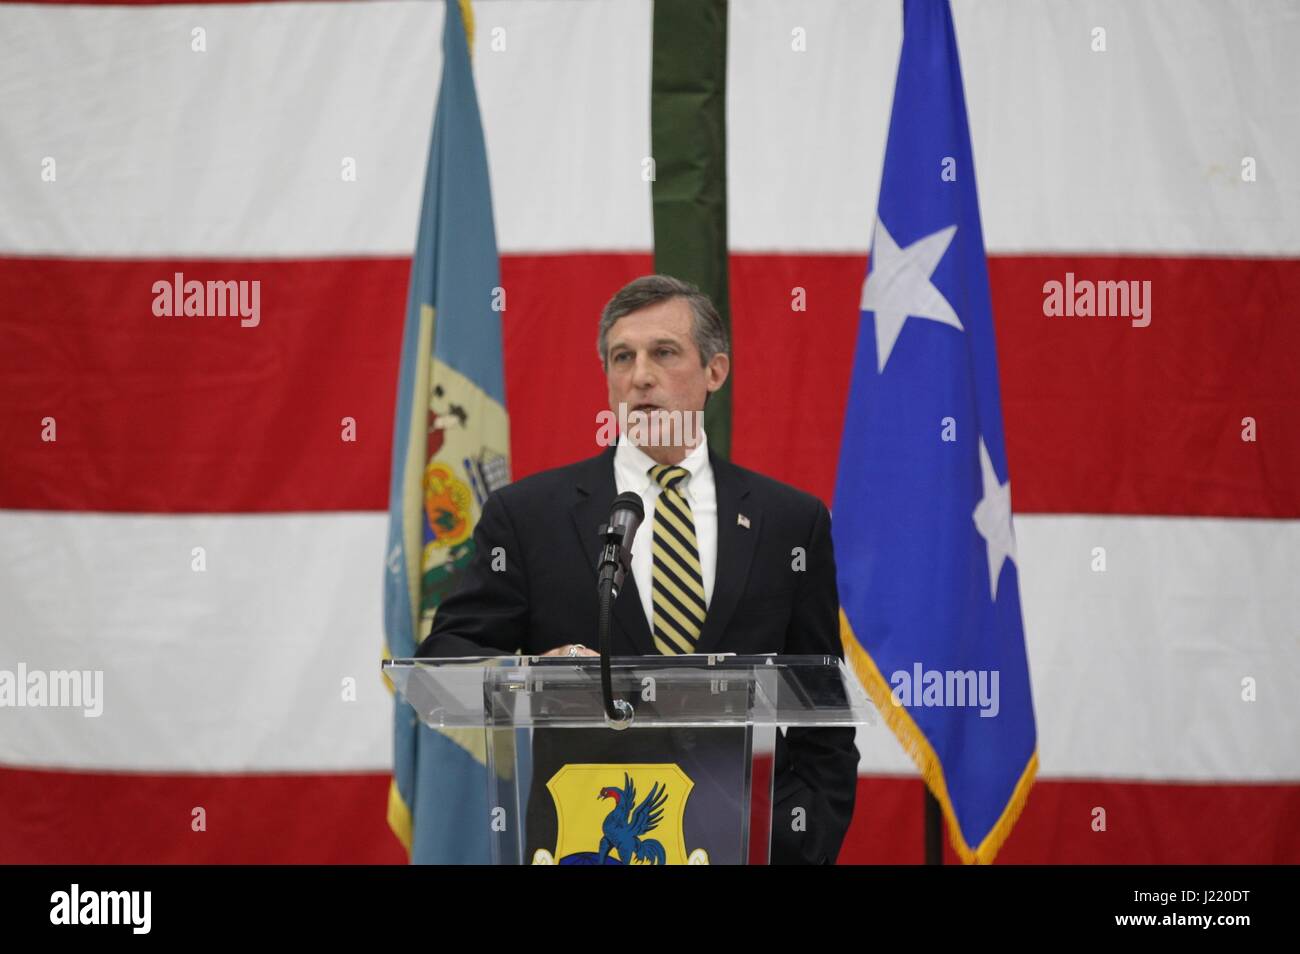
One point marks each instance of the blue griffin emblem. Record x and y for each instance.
(627, 822)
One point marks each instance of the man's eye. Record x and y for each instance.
(665, 352)
(620, 356)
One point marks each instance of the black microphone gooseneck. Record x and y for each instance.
(625, 516)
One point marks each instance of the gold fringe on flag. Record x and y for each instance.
(918, 748)
(467, 17)
(399, 816)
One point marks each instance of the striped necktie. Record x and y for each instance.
(677, 594)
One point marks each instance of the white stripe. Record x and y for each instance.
(238, 668)
(1137, 149)
(1137, 671)
(238, 151)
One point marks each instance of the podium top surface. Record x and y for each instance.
(688, 690)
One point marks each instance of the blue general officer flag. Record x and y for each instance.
(451, 442)
(925, 548)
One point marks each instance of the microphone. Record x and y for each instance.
(625, 516)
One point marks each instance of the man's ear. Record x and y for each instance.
(718, 368)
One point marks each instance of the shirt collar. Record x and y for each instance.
(633, 464)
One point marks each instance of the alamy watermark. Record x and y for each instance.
(55, 689)
(214, 299)
(923, 688)
(1089, 299)
(75, 906)
(657, 427)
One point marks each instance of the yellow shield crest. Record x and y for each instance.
(631, 814)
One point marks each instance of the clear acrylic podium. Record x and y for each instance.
(688, 781)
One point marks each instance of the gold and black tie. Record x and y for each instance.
(677, 595)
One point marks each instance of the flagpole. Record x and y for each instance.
(933, 830)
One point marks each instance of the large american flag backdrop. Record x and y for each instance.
(195, 506)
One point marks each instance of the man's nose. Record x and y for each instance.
(643, 373)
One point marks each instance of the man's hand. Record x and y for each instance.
(571, 649)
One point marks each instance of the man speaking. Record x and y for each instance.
(714, 563)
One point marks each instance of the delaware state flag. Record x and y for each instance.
(924, 542)
(451, 442)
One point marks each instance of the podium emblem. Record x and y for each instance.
(611, 814)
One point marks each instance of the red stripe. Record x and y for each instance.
(1146, 823)
(1101, 417)
(198, 414)
(157, 414)
(86, 818)
(202, 415)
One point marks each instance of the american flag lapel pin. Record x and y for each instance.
(742, 520)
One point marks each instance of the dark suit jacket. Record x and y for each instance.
(546, 597)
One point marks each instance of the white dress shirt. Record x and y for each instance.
(632, 472)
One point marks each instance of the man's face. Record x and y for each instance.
(653, 364)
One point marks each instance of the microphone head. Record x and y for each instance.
(630, 501)
(625, 515)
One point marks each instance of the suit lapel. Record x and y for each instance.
(735, 550)
(595, 492)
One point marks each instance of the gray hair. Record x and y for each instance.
(707, 329)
